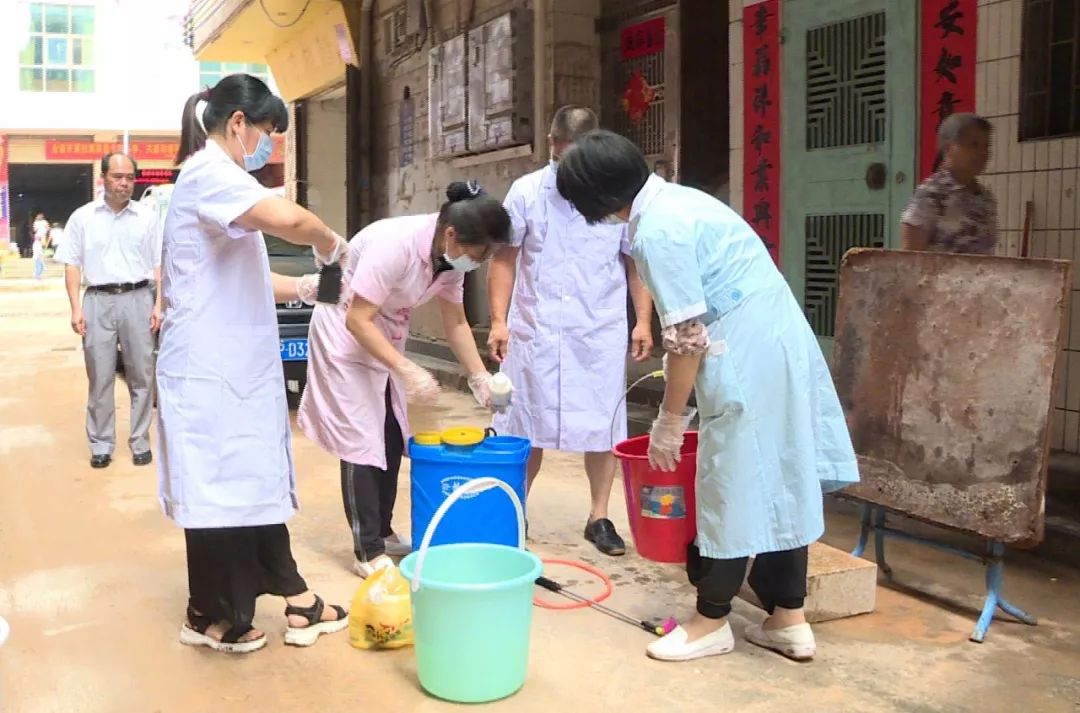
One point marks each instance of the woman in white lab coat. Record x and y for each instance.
(358, 376)
(226, 471)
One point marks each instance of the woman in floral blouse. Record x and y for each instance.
(951, 211)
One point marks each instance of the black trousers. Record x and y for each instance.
(229, 567)
(777, 578)
(369, 493)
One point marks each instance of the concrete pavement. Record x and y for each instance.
(92, 579)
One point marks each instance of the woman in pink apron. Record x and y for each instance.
(358, 376)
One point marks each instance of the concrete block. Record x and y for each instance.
(837, 585)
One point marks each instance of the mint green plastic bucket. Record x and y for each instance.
(472, 609)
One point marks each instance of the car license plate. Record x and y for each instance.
(294, 349)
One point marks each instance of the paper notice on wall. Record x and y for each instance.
(344, 46)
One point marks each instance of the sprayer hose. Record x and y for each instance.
(604, 579)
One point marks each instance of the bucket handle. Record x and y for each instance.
(475, 486)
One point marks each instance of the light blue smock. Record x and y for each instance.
(772, 435)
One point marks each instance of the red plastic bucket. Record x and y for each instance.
(661, 506)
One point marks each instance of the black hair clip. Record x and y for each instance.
(464, 191)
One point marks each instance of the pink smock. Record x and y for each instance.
(343, 409)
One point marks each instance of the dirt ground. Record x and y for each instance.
(93, 582)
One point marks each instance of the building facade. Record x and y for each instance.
(815, 120)
(834, 109)
(75, 91)
(73, 95)
(399, 97)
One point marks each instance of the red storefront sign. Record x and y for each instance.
(156, 176)
(642, 39)
(80, 150)
(77, 150)
(949, 36)
(761, 121)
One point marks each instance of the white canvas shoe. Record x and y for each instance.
(674, 647)
(398, 545)
(795, 642)
(363, 570)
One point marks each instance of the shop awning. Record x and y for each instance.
(306, 43)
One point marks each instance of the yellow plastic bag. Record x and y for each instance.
(381, 614)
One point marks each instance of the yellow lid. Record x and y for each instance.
(428, 438)
(463, 436)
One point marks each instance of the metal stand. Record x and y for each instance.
(873, 520)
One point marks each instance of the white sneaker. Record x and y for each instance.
(363, 570)
(398, 545)
(674, 647)
(795, 642)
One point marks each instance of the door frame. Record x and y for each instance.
(901, 125)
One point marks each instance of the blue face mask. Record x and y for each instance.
(263, 150)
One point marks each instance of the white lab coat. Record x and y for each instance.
(567, 322)
(225, 450)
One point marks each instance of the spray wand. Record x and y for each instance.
(653, 627)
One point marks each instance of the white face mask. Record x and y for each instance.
(461, 263)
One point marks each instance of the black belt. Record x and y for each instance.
(119, 288)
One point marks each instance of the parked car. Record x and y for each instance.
(294, 317)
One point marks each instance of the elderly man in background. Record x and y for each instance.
(111, 246)
(560, 330)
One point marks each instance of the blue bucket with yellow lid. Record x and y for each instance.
(444, 461)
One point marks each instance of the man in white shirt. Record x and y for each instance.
(112, 247)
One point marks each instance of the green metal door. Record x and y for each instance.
(849, 92)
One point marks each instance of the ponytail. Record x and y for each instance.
(192, 134)
(939, 157)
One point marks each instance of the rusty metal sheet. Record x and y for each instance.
(945, 368)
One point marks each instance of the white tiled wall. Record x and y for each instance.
(1046, 174)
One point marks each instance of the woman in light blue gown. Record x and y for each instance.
(772, 433)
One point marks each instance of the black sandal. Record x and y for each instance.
(193, 633)
(316, 627)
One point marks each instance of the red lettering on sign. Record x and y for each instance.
(761, 120)
(949, 37)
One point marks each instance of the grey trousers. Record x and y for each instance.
(122, 319)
